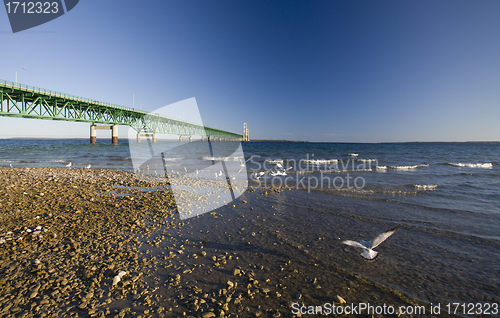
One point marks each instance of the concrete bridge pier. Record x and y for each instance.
(114, 133)
(93, 134)
(153, 137)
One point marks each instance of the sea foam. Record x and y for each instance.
(319, 161)
(487, 165)
(425, 186)
(406, 168)
(275, 161)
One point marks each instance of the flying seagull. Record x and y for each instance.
(368, 247)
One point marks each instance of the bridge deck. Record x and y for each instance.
(20, 100)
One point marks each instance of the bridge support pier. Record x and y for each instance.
(114, 133)
(153, 137)
(93, 134)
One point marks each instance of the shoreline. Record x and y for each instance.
(220, 264)
(274, 140)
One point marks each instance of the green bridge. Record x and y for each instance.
(24, 101)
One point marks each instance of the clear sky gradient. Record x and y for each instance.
(340, 71)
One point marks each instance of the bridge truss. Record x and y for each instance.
(19, 100)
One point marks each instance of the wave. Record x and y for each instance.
(487, 165)
(381, 167)
(353, 154)
(275, 161)
(406, 168)
(172, 159)
(31, 161)
(333, 171)
(366, 160)
(319, 161)
(223, 158)
(425, 186)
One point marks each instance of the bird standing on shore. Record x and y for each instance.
(68, 165)
(87, 167)
(368, 247)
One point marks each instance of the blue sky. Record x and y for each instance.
(340, 71)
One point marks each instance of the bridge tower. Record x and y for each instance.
(245, 133)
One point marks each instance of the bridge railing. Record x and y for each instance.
(59, 94)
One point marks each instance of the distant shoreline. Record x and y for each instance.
(271, 140)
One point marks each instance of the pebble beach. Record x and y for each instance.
(73, 244)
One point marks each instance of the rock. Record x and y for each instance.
(340, 299)
(208, 315)
(122, 273)
(116, 280)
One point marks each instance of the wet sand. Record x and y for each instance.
(67, 233)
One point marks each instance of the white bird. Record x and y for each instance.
(87, 167)
(279, 165)
(278, 173)
(220, 173)
(68, 165)
(368, 247)
(10, 165)
(257, 176)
